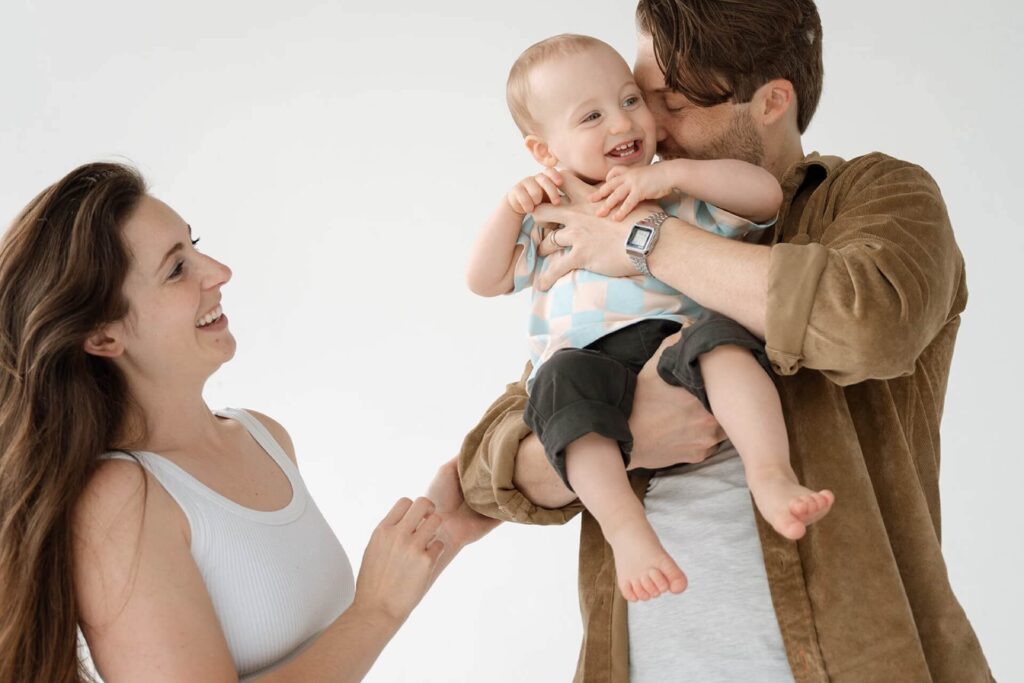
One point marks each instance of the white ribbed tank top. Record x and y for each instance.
(276, 579)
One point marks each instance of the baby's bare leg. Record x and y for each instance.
(644, 569)
(746, 404)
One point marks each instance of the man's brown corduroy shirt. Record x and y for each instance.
(865, 291)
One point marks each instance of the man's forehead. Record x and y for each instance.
(646, 70)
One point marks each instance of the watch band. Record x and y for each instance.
(638, 257)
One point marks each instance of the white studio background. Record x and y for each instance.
(340, 159)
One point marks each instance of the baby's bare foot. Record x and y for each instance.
(643, 567)
(788, 506)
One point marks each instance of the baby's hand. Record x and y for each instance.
(626, 187)
(532, 191)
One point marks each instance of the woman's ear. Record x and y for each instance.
(540, 151)
(105, 342)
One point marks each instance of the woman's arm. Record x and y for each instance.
(397, 569)
(146, 614)
(492, 258)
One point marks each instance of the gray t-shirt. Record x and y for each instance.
(723, 627)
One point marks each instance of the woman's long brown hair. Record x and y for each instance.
(63, 263)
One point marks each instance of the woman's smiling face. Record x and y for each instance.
(175, 327)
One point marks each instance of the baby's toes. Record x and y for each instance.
(638, 588)
(659, 579)
(648, 583)
(627, 591)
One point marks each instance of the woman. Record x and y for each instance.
(209, 561)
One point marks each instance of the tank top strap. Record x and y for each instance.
(265, 439)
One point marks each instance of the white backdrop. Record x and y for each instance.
(340, 159)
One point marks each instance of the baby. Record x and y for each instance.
(578, 107)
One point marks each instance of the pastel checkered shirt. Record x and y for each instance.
(581, 307)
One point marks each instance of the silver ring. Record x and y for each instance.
(553, 240)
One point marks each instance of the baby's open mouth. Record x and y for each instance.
(626, 149)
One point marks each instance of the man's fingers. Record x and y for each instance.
(557, 267)
(576, 189)
(548, 246)
(549, 213)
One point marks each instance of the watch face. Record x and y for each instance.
(639, 237)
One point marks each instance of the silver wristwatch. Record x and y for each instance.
(642, 238)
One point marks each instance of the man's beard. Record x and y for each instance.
(739, 141)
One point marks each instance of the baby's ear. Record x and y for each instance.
(540, 151)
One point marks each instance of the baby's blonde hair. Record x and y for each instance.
(517, 89)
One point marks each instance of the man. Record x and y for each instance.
(857, 296)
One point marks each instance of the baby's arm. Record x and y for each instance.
(738, 187)
(492, 259)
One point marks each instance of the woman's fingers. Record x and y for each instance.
(396, 513)
(434, 550)
(427, 528)
(415, 514)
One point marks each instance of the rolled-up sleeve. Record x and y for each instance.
(487, 463)
(866, 299)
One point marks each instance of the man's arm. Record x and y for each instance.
(506, 475)
(496, 482)
(861, 304)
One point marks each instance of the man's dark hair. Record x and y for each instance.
(714, 51)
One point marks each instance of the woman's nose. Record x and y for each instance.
(217, 273)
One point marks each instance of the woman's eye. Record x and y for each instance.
(194, 241)
(179, 267)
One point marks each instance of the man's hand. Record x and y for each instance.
(532, 191)
(461, 525)
(669, 424)
(625, 187)
(591, 242)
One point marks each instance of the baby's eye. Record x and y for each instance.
(632, 101)
(592, 116)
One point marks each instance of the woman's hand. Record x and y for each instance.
(460, 525)
(591, 242)
(669, 424)
(398, 564)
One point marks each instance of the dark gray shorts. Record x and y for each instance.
(590, 390)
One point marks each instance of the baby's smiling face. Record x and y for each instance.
(590, 114)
